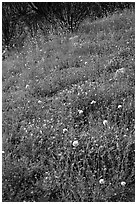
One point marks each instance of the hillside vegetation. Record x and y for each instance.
(69, 115)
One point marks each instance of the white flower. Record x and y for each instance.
(80, 111)
(65, 130)
(119, 106)
(123, 183)
(105, 122)
(27, 86)
(92, 102)
(39, 101)
(60, 154)
(75, 143)
(101, 181)
(121, 70)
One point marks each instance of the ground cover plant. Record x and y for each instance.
(68, 114)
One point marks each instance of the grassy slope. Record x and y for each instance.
(43, 91)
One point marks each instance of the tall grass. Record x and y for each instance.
(68, 118)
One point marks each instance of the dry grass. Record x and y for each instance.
(68, 119)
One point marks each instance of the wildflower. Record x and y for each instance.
(80, 111)
(27, 86)
(39, 101)
(92, 102)
(101, 181)
(123, 183)
(121, 70)
(65, 130)
(105, 122)
(119, 106)
(75, 143)
(60, 154)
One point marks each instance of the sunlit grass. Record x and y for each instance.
(68, 115)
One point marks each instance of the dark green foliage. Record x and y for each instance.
(11, 15)
(35, 15)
